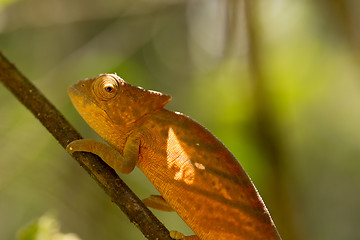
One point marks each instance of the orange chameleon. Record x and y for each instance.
(196, 175)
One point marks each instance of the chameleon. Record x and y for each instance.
(196, 175)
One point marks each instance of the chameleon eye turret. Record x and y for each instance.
(106, 86)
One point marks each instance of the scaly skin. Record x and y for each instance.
(194, 172)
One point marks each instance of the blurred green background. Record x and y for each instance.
(278, 82)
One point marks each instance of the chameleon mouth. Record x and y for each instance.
(77, 88)
(81, 97)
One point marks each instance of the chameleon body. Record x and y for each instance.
(196, 175)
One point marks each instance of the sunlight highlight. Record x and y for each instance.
(177, 158)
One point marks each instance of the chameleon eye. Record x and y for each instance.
(109, 89)
(105, 87)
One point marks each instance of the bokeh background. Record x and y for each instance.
(277, 81)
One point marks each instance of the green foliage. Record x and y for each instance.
(4, 3)
(45, 228)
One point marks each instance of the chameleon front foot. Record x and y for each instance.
(108, 154)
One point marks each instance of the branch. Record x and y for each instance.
(64, 133)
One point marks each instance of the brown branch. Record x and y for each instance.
(64, 133)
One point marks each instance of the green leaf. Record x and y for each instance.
(45, 228)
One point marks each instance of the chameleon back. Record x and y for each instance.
(199, 177)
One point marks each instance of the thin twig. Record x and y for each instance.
(64, 133)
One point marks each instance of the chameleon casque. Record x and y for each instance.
(196, 175)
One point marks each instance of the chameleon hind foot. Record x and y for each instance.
(158, 202)
(179, 236)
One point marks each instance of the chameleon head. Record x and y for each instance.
(107, 102)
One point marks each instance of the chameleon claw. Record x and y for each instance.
(73, 146)
(177, 235)
(69, 148)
